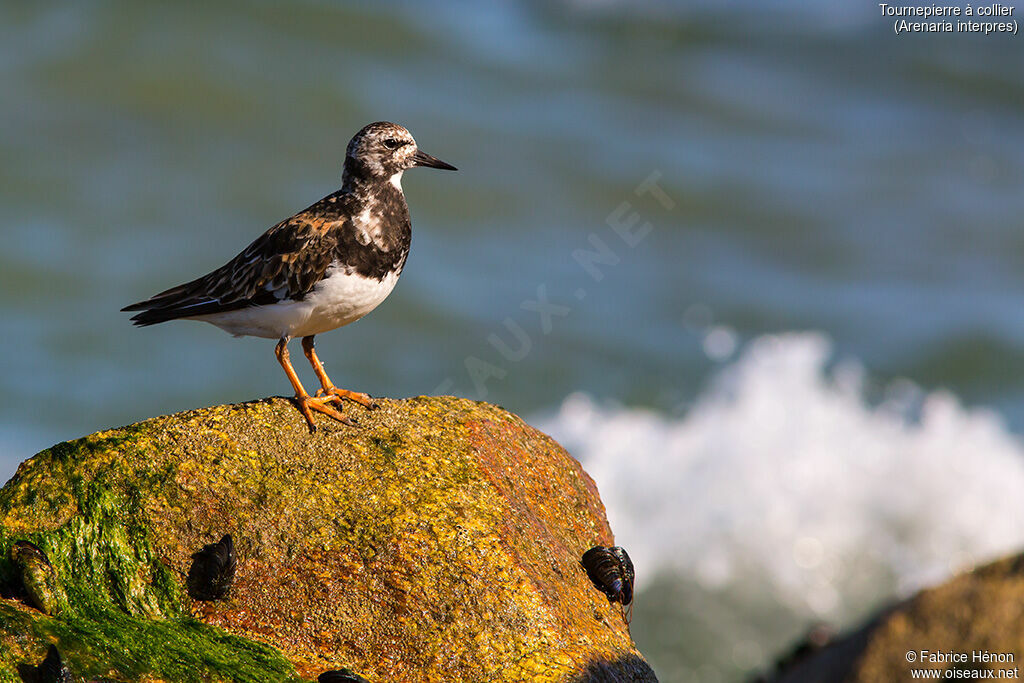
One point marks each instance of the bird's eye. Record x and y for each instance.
(393, 143)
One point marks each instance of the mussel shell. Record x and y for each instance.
(343, 675)
(26, 552)
(628, 575)
(605, 572)
(212, 570)
(53, 669)
(38, 577)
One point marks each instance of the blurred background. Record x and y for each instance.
(800, 390)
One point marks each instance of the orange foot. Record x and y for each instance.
(321, 404)
(364, 400)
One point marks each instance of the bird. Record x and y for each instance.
(325, 267)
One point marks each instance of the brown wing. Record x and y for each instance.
(285, 262)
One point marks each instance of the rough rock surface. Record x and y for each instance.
(439, 541)
(981, 610)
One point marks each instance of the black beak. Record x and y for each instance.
(424, 159)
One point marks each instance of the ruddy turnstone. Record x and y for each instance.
(324, 267)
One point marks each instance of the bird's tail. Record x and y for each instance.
(176, 302)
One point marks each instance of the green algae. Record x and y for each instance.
(101, 641)
(123, 617)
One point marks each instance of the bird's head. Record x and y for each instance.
(383, 151)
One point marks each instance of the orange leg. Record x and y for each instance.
(328, 387)
(305, 402)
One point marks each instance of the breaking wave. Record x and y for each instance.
(782, 469)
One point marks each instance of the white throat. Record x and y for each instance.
(396, 180)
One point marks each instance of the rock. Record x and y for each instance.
(978, 611)
(438, 541)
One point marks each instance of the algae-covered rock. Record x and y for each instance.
(959, 630)
(440, 540)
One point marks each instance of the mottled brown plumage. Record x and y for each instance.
(322, 268)
(286, 262)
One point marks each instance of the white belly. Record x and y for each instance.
(339, 299)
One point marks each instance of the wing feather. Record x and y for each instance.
(286, 262)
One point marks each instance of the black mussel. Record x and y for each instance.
(53, 669)
(611, 571)
(212, 570)
(342, 675)
(628, 574)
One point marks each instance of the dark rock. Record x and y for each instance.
(978, 611)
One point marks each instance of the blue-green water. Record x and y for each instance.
(819, 174)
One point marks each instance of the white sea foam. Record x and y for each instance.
(783, 470)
